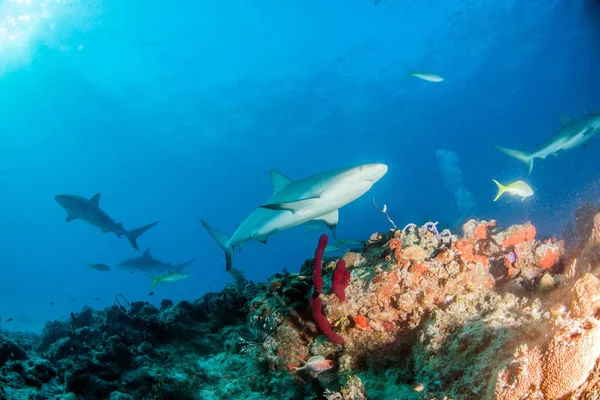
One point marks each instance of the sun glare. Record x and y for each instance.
(27, 24)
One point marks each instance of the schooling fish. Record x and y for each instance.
(98, 267)
(316, 364)
(169, 277)
(351, 242)
(426, 76)
(518, 188)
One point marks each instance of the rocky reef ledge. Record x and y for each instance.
(491, 314)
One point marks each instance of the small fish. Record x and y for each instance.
(351, 242)
(169, 277)
(312, 226)
(98, 267)
(331, 248)
(151, 294)
(517, 188)
(72, 300)
(316, 364)
(95, 298)
(8, 320)
(558, 309)
(51, 303)
(426, 76)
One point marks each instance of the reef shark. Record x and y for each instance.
(293, 203)
(89, 210)
(574, 132)
(151, 265)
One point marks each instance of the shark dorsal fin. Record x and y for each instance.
(95, 199)
(147, 253)
(564, 118)
(279, 181)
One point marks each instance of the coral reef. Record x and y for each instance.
(491, 313)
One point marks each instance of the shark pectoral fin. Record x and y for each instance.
(262, 239)
(279, 181)
(70, 218)
(293, 206)
(331, 219)
(181, 266)
(95, 199)
(564, 118)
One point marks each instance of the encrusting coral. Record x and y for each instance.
(414, 314)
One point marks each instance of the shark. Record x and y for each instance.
(88, 210)
(151, 265)
(315, 198)
(573, 132)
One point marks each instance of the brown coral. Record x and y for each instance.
(570, 357)
(595, 236)
(586, 302)
(521, 376)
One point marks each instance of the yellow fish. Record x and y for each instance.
(517, 188)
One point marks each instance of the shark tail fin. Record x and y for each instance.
(501, 189)
(181, 266)
(222, 240)
(409, 73)
(522, 156)
(154, 280)
(89, 265)
(136, 233)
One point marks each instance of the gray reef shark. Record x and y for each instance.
(151, 265)
(574, 132)
(293, 203)
(89, 211)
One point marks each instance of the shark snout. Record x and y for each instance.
(374, 172)
(61, 199)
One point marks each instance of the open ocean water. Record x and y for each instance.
(177, 111)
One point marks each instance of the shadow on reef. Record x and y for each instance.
(491, 314)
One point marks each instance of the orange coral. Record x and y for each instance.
(417, 268)
(481, 232)
(362, 322)
(464, 246)
(468, 252)
(549, 258)
(396, 246)
(522, 234)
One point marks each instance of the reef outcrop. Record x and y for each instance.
(489, 313)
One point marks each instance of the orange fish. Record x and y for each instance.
(316, 364)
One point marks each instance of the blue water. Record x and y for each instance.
(177, 112)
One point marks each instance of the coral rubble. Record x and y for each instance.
(415, 314)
